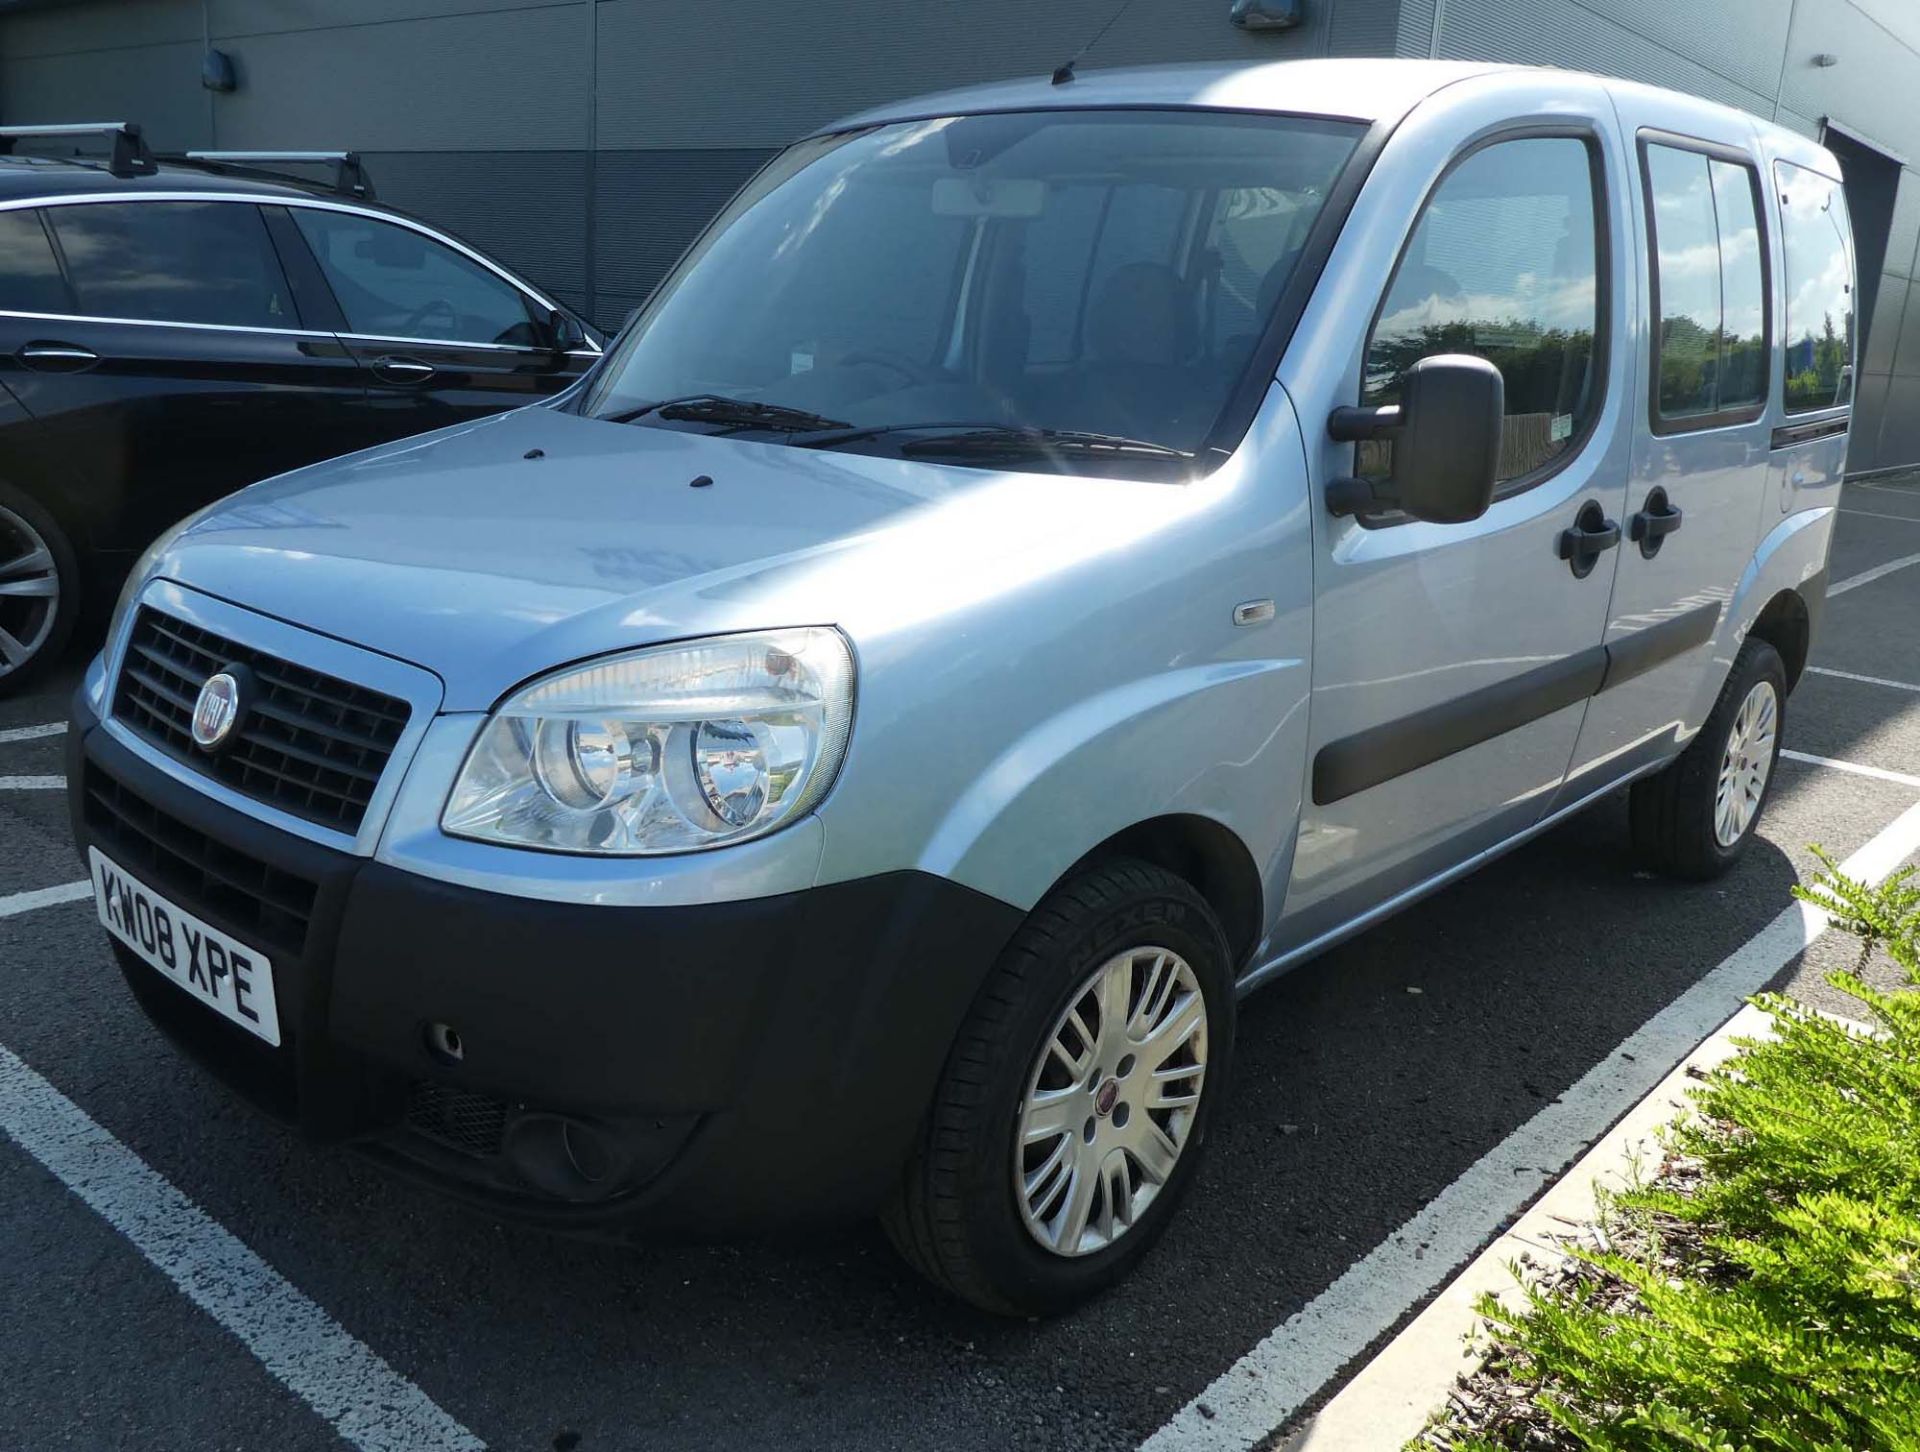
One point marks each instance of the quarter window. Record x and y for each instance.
(1710, 290)
(30, 280)
(174, 262)
(1819, 321)
(1504, 264)
(392, 282)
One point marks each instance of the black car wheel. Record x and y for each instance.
(1076, 1099)
(39, 589)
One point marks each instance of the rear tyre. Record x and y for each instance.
(1695, 818)
(1074, 1103)
(39, 590)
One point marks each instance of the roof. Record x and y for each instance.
(1361, 90)
(41, 176)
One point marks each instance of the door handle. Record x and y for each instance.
(403, 370)
(1591, 536)
(1658, 518)
(51, 357)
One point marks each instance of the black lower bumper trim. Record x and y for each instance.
(713, 1066)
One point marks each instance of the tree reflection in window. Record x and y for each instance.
(1819, 322)
(1503, 265)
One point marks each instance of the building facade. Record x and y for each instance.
(586, 141)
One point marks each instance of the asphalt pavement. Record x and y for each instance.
(1365, 1083)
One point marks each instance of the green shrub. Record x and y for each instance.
(1762, 1289)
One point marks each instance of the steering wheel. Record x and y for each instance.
(439, 310)
(910, 369)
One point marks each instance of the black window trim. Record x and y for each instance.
(263, 200)
(1662, 425)
(1590, 135)
(1820, 412)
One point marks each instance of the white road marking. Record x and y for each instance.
(365, 1400)
(33, 783)
(26, 902)
(1878, 773)
(1867, 577)
(1863, 680)
(32, 733)
(1267, 1385)
(1875, 514)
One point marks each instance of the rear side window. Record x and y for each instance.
(30, 280)
(392, 282)
(174, 262)
(1504, 263)
(1709, 288)
(1819, 323)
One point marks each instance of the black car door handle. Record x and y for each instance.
(1657, 519)
(1591, 536)
(403, 370)
(51, 357)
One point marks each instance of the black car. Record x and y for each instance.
(174, 328)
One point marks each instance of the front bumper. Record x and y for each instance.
(726, 1066)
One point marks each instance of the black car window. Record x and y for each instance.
(174, 262)
(1504, 264)
(30, 280)
(392, 282)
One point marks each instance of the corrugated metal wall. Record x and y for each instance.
(585, 141)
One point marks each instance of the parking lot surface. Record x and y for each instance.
(1365, 1084)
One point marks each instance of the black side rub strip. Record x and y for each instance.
(1394, 748)
(1787, 435)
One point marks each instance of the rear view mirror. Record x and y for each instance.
(983, 196)
(1446, 442)
(564, 332)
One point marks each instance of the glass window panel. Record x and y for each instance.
(1503, 264)
(1819, 321)
(392, 282)
(184, 262)
(1688, 276)
(1743, 288)
(30, 280)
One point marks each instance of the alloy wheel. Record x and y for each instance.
(1746, 764)
(1111, 1102)
(29, 592)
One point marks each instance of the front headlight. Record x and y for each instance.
(670, 749)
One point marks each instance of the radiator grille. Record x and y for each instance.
(307, 743)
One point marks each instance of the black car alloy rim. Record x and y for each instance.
(29, 592)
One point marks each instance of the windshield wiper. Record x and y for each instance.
(961, 439)
(1077, 442)
(717, 408)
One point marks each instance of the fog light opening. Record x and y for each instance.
(445, 1044)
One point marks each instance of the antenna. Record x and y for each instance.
(1063, 74)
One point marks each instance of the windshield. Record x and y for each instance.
(1081, 287)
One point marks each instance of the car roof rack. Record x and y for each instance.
(129, 156)
(350, 178)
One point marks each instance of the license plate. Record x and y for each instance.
(222, 972)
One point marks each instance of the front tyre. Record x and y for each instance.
(1696, 817)
(39, 589)
(1075, 1100)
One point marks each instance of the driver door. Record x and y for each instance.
(440, 338)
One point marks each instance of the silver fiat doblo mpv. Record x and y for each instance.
(1049, 559)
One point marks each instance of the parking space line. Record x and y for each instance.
(26, 902)
(1875, 514)
(33, 783)
(1863, 680)
(1878, 773)
(365, 1400)
(1271, 1382)
(32, 733)
(1867, 577)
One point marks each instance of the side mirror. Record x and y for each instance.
(564, 332)
(1446, 442)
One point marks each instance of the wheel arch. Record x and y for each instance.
(1208, 855)
(1786, 623)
